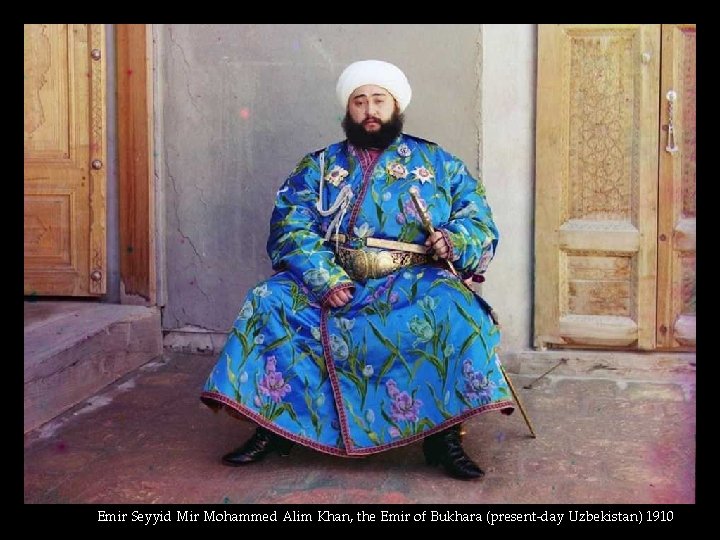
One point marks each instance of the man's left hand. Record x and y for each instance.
(437, 246)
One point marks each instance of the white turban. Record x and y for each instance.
(375, 72)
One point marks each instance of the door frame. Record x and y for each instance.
(136, 193)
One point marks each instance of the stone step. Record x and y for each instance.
(74, 349)
(656, 366)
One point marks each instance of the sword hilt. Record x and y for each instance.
(427, 223)
(422, 212)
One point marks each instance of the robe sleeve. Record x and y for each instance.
(296, 242)
(470, 228)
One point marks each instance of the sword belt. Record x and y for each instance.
(378, 257)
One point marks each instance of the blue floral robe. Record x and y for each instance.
(413, 352)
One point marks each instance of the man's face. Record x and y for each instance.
(371, 106)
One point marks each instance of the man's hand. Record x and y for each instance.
(437, 246)
(339, 298)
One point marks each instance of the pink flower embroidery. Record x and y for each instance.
(273, 384)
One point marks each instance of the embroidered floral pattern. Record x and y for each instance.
(477, 386)
(262, 291)
(339, 347)
(246, 311)
(403, 407)
(364, 230)
(336, 175)
(316, 277)
(397, 169)
(380, 290)
(423, 174)
(344, 324)
(421, 328)
(404, 150)
(273, 384)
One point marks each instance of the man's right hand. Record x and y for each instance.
(339, 298)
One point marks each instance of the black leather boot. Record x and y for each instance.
(261, 444)
(445, 448)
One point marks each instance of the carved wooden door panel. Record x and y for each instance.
(676, 222)
(597, 185)
(64, 175)
(615, 187)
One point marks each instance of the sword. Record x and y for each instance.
(427, 224)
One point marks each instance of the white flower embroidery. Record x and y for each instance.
(316, 277)
(423, 174)
(364, 230)
(344, 324)
(404, 150)
(262, 291)
(428, 302)
(246, 311)
(339, 347)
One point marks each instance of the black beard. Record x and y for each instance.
(381, 139)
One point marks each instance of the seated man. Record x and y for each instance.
(366, 338)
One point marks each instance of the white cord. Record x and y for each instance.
(342, 203)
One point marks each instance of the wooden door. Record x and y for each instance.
(64, 176)
(596, 185)
(676, 229)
